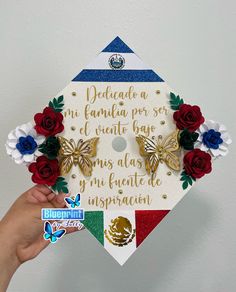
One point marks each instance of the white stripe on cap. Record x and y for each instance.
(132, 62)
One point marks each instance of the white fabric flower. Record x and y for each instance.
(213, 138)
(22, 144)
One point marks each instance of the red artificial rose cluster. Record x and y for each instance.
(45, 170)
(49, 122)
(197, 163)
(188, 117)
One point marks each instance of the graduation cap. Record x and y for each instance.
(121, 138)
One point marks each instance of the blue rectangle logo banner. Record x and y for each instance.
(62, 214)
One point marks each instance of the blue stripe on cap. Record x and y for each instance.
(117, 46)
(118, 76)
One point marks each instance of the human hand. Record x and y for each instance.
(21, 229)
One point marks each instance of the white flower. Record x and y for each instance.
(22, 144)
(213, 138)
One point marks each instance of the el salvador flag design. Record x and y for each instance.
(117, 63)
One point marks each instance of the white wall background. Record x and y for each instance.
(191, 44)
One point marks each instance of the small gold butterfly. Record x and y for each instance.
(71, 154)
(160, 152)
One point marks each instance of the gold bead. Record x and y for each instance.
(72, 128)
(164, 196)
(121, 103)
(158, 91)
(162, 122)
(169, 173)
(73, 93)
(160, 136)
(73, 175)
(120, 192)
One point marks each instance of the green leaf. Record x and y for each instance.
(50, 104)
(57, 103)
(54, 187)
(183, 176)
(175, 101)
(63, 183)
(186, 179)
(65, 190)
(60, 185)
(185, 185)
(58, 110)
(60, 99)
(184, 173)
(190, 180)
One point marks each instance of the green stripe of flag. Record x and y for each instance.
(94, 223)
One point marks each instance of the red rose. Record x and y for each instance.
(45, 171)
(48, 123)
(188, 117)
(197, 163)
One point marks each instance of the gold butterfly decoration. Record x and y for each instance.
(77, 154)
(162, 151)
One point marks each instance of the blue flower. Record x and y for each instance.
(26, 145)
(212, 139)
(22, 144)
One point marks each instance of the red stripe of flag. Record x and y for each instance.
(146, 221)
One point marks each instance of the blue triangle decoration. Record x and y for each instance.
(117, 46)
